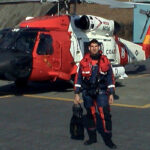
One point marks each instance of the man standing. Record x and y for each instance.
(96, 81)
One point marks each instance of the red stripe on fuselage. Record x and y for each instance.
(122, 51)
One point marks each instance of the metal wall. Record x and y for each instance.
(139, 22)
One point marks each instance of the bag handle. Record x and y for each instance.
(79, 104)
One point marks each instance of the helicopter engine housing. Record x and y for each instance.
(96, 24)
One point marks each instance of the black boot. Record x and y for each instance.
(92, 137)
(108, 141)
(110, 144)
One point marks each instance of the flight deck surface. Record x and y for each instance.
(37, 117)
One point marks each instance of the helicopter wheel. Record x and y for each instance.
(20, 83)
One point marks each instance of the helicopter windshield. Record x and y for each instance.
(18, 40)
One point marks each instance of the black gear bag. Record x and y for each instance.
(76, 123)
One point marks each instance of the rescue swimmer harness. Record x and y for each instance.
(86, 71)
(86, 65)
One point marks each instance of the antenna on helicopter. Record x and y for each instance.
(74, 2)
(75, 7)
(58, 8)
(65, 4)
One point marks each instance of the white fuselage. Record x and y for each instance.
(102, 30)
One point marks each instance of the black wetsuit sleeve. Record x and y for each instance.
(110, 81)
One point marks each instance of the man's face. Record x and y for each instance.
(94, 48)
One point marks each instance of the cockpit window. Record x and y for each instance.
(20, 40)
(6, 38)
(45, 45)
(26, 41)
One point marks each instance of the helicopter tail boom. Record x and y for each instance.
(146, 43)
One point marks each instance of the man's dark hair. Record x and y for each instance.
(93, 41)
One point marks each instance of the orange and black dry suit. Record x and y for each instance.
(96, 82)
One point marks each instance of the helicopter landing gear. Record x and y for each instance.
(20, 83)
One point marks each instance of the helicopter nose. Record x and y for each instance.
(15, 65)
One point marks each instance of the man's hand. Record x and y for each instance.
(111, 99)
(77, 99)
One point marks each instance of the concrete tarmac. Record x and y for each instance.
(43, 124)
(37, 117)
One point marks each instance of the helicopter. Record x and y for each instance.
(51, 47)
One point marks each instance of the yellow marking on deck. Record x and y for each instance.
(146, 106)
(129, 106)
(6, 96)
(50, 98)
(71, 100)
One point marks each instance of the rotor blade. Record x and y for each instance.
(3, 2)
(144, 27)
(17, 1)
(112, 3)
(50, 0)
(141, 1)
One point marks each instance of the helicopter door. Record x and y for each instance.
(42, 57)
(56, 59)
